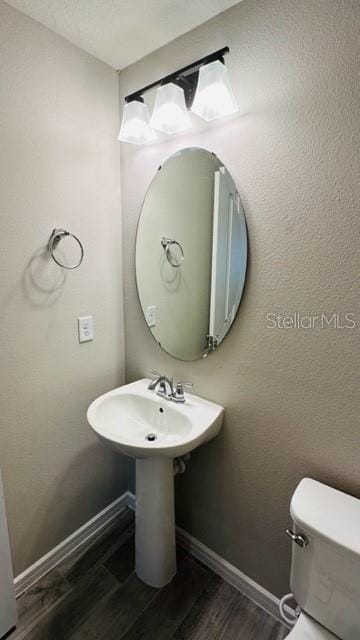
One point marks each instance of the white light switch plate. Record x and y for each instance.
(151, 315)
(86, 328)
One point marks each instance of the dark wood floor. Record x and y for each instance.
(95, 595)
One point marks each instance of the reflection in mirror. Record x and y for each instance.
(191, 254)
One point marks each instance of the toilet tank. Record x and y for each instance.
(325, 574)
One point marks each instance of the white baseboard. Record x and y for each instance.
(229, 572)
(131, 500)
(101, 521)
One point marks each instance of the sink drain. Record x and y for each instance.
(151, 437)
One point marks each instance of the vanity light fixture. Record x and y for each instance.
(135, 127)
(170, 114)
(202, 86)
(214, 96)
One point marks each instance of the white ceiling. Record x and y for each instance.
(120, 32)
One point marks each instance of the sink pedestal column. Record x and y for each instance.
(155, 549)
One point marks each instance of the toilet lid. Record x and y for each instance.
(307, 629)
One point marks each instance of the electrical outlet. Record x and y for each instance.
(86, 328)
(151, 316)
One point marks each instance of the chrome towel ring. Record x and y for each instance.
(56, 236)
(166, 244)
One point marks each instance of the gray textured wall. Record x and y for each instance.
(59, 167)
(291, 396)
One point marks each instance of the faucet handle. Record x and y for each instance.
(186, 385)
(178, 395)
(156, 374)
(180, 386)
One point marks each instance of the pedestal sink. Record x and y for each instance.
(139, 423)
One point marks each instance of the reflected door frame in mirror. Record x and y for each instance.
(191, 254)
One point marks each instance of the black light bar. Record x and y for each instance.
(186, 77)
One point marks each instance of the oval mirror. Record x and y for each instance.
(191, 254)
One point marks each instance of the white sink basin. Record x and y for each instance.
(127, 416)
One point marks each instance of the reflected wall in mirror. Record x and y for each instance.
(191, 254)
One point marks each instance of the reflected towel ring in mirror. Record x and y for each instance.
(56, 236)
(167, 243)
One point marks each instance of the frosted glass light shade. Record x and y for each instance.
(214, 97)
(135, 126)
(170, 114)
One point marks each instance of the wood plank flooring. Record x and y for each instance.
(95, 595)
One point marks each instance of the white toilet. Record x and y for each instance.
(325, 569)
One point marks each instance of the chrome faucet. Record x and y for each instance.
(166, 387)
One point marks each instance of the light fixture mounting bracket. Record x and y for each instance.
(186, 78)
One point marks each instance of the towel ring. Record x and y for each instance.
(166, 243)
(56, 236)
